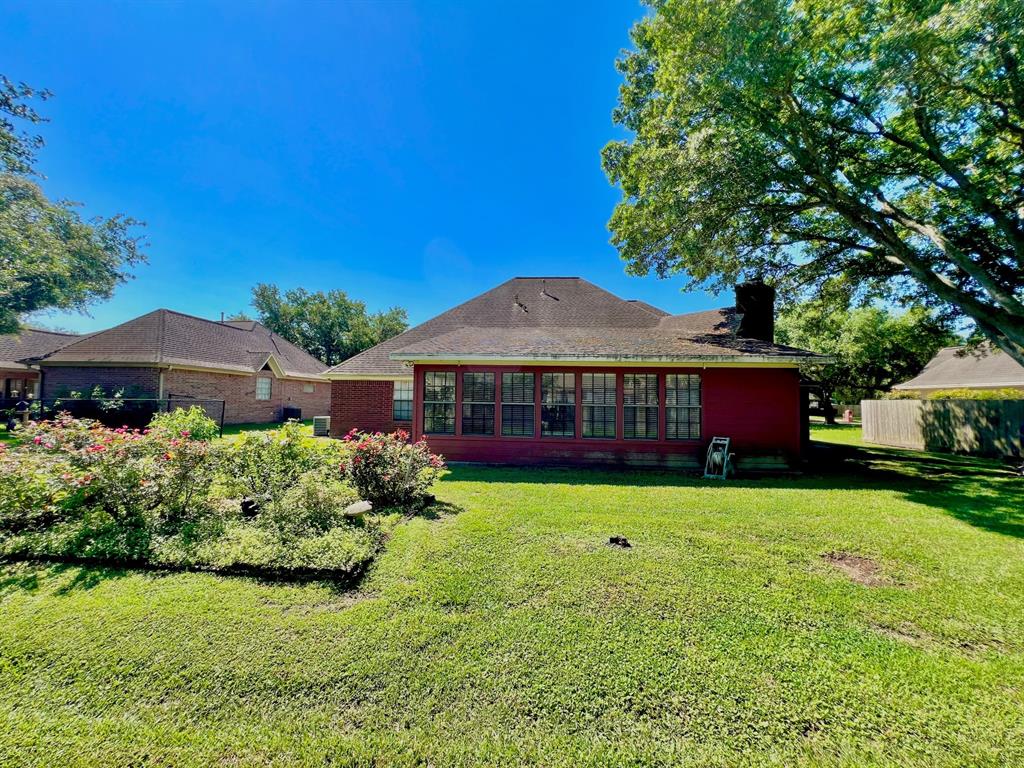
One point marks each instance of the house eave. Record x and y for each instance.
(776, 361)
(369, 376)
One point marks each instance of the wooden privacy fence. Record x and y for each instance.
(979, 427)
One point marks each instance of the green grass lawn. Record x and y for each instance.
(507, 631)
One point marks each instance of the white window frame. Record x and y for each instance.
(270, 387)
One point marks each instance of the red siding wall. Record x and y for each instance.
(363, 405)
(758, 408)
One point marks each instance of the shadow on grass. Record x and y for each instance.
(24, 574)
(984, 493)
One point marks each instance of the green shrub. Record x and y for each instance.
(191, 422)
(901, 394)
(1006, 393)
(388, 470)
(76, 489)
(262, 466)
(313, 505)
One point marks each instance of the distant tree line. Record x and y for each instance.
(328, 324)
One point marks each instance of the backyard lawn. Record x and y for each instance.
(869, 613)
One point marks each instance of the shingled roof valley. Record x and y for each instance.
(562, 318)
(166, 337)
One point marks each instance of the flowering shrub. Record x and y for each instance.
(388, 470)
(188, 422)
(136, 482)
(270, 500)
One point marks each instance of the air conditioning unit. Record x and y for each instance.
(321, 426)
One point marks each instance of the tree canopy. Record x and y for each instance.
(329, 325)
(872, 348)
(50, 258)
(843, 149)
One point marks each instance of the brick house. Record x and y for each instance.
(18, 379)
(166, 354)
(559, 371)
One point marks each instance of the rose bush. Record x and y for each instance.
(389, 471)
(269, 500)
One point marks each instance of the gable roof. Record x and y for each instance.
(959, 367)
(168, 338)
(28, 343)
(562, 318)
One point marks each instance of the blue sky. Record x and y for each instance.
(408, 153)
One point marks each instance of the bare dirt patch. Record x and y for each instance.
(861, 570)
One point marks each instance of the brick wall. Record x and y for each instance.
(363, 405)
(239, 394)
(139, 382)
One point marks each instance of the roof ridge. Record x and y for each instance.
(218, 323)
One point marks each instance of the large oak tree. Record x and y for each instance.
(846, 149)
(50, 257)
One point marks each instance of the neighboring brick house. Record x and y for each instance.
(559, 371)
(167, 354)
(18, 379)
(983, 367)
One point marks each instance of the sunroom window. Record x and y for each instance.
(558, 405)
(682, 406)
(439, 403)
(640, 406)
(477, 403)
(517, 404)
(599, 405)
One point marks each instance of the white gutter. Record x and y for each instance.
(612, 360)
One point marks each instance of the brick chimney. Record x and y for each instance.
(755, 305)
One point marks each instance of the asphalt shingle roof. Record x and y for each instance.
(165, 337)
(30, 342)
(955, 368)
(561, 318)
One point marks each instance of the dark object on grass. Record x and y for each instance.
(620, 541)
(425, 501)
(250, 508)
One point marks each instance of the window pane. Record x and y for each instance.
(558, 413)
(516, 420)
(558, 388)
(558, 420)
(517, 387)
(599, 421)
(682, 423)
(263, 387)
(599, 405)
(439, 418)
(439, 386)
(477, 419)
(682, 412)
(599, 388)
(401, 408)
(640, 422)
(478, 387)
(640, 389)
(682, 389)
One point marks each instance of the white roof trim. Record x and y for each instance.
(618, 359)
(368, 376)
